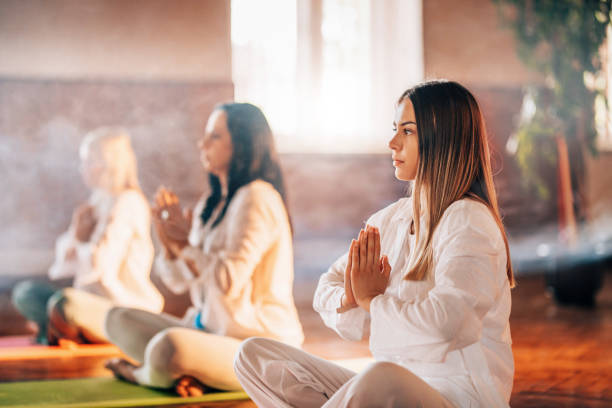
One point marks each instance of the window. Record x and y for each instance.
(264, 45)
(326, 72)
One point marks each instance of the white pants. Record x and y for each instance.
(168, 350)
(277, 375)
(85, 311)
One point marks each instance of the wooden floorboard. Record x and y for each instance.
(39, 362)
(563, 355)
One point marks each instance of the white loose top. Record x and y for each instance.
(452, 329)
(116, 261)
(245, 265)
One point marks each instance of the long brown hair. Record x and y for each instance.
(453, 164)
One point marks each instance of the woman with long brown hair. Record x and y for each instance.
(430, 272)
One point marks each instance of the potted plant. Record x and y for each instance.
(561, 40)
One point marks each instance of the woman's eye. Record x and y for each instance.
(407, 131)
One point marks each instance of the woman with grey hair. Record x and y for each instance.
(107, 249)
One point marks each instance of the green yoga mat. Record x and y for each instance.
(96, 392)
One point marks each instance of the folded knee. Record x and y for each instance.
(384, 380)
(30, 299)
(269, 362)
(30, 291)
(22, 293)
(380, 369)
(163, 351)
(250, 348)
(22, 290)
(115, 321)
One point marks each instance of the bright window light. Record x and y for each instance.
(326, 72)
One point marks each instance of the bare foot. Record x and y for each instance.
(122, 369)
(67, 344)
(187, 386)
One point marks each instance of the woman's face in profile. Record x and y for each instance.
(405, 143)
(216, 146)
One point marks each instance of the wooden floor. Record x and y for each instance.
(563, 356)
(36, 362)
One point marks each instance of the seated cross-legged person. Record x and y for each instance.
(430, 273)
(234, 256)
(107, 250)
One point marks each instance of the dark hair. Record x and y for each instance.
(254, 157)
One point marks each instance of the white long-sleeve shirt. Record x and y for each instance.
(451, 329)
(245, 266)
(116, 261)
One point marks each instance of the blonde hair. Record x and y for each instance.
(113, 147)
(453, 164)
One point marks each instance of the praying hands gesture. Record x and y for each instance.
(84, 222)
(367, 274)
(172, 224)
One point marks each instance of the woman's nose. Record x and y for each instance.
(393, 142)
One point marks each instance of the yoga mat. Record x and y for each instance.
(16, 341)
(96, 392)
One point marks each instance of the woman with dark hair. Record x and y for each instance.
(431, 273)
(234, 256)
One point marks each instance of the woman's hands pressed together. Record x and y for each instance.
(172, 224)
(367, 273)
(84, 222)
(348, 298)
